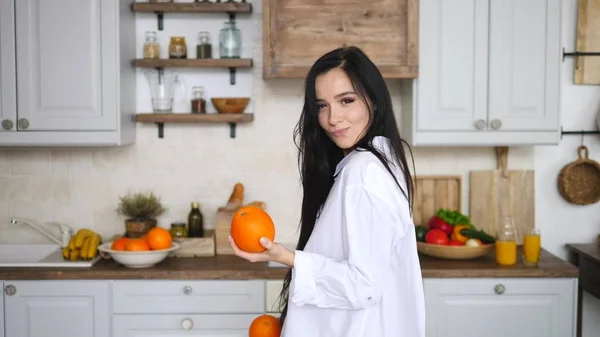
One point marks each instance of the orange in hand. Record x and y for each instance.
(119, 244)
(136, 245)
(248, 225)
(159, 238)
(264, 326)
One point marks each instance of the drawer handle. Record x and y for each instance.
(499, 289)
(187, 290)
(187, 324)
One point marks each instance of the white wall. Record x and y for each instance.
(560, 221)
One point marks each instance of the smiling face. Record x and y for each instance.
(342, 113)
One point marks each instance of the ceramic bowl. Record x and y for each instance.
(230, 105)
(453, 252)
(143, 259)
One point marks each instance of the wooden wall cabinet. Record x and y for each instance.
(297, 32)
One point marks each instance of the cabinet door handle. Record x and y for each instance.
(480, 124)
(187, 290)
(23, 123)
(10, 290)
(496, 124)
(7, 124)
(499, 289)
(187, 324)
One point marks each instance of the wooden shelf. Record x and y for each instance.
(161, 119)
(194, 7)
(193, 63)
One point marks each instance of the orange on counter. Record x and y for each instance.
(264, 326)
(248, 225)
(137, 245)
(159, 238)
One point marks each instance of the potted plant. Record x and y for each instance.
(141, 210)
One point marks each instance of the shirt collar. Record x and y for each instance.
(380, 143)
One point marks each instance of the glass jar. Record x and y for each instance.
(151, 46)
(204, 48)
(198, 101)
(177, 48)
(230, 41)
(506, 243)
(178, 230)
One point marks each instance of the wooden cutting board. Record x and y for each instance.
(495, 194)
(433, 193)
(587, 68)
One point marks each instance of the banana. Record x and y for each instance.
(75, 254)
(65, 252)
(93, 247)
(72, 243)
(81, 235)
(85, 247)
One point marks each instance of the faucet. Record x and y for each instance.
(65, 231)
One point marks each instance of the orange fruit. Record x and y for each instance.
(119, 244)
(137, 245)
(159, 238)
(264, 326)
(248, 225)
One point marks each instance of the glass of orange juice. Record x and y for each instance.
(506, 243)
(532, 246)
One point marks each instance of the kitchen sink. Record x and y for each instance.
(37, 255)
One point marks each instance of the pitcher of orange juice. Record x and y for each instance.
(532, 246)
(506, 243)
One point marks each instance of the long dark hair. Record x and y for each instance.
(318, 156)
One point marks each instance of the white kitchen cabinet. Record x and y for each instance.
(2, 311)
(57, 308)
(70, 61)
(516, 307)
(489, 74)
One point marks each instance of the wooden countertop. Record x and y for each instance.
(234, 268)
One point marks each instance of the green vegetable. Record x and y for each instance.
(454, 217)
(478, 234)
(421, 231)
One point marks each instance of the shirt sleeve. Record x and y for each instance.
(355, 283)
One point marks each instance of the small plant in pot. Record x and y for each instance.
(141, 210)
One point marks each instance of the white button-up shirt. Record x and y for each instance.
(359, 274)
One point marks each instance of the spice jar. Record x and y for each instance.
(178, 230)
(230, 41)
(198, 101)
(204, 48)
(177, 48)
(151, 47)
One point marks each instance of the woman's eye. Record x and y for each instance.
(320, 106)
(347, 100)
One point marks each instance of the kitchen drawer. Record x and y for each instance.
(190, 297)
(589, 274)
(182, 325)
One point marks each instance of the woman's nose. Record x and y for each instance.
(335, 115)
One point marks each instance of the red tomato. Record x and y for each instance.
(436, 237)
(455, 243)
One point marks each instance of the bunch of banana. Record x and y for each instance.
(83, 245)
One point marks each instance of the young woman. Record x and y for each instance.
(355, 271)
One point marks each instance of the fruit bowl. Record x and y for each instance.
(454, 252)
(230, 105)
(137, 259)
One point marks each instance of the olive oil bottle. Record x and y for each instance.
(196, 221)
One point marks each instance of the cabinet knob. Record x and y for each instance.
(187, 290)
(499, 289)
(187, 324)
(23, 123)
(7, 124)
(10, 290)
(480, 124)
(496, 124)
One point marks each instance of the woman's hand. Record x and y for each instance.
(274, 252)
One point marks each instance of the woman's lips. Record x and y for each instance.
(339, 133)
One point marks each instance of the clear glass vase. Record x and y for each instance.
(230, 41)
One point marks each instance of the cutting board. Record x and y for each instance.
(587, 68)
(433, 193)
(495, 194)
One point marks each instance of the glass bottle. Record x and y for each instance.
(196, 221)
(151, 47)
(177, 48)
(198, 101)
(178, 230)
(506, 243)
(230, 41)
(204, 48)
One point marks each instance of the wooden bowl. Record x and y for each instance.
(230, 105)
(453, 252)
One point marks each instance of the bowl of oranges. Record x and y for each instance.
(142, 252)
